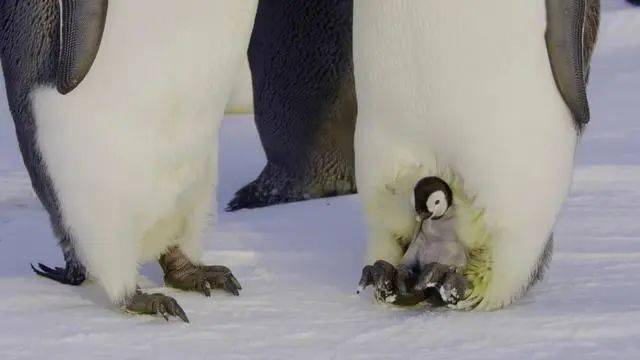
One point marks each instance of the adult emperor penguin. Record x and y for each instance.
(304, 101)
(124, 159)
(490, 97)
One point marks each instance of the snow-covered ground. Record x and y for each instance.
(299, 264)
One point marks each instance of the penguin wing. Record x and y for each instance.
(50, 41)
(82, 27)
(572, 28)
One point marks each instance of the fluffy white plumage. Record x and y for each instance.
(467, 88)
(132, 151)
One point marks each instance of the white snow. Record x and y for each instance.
(299, 264)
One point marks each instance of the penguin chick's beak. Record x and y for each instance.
(422, 216)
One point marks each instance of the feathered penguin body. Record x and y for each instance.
(468, 91)
(132, 151)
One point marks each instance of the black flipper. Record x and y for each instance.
(82, 28)
(572, 27)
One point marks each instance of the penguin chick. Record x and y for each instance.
(435, 258)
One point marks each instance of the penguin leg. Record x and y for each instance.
(180, 260)
(304, 100)
(449, 281)
(73, 273)
(181, 273)
(155, 304)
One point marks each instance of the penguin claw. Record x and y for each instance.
(381, 275)
(71, 275)
(181, 273)
(451, 285)
(391, 285)
(156, 304)
(220, 277)
(258, 193)
(204, 278)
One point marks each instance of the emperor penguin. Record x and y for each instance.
(116, 106)
(490, 97)
(300, 57)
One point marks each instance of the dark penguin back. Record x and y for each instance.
(301, 63)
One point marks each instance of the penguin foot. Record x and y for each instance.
(203, 278)
(273, 186)
(276, 186)
(72, 274)
(382, 276)
(450, 283)
(390, 284)
(181, 273)
(405, 279)
(155, 304)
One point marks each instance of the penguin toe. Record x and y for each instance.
(382, 276)
(69, 275)
(453, 288)
(155, 304)
(431, 276)
(404, 280)
(203, 278)
(451, 285)
(220, 277)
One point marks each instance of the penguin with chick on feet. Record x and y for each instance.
(492, 98)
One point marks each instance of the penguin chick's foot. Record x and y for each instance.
(182, 274)
(389, 284)
(71, 274)
(450, 283)
(155, 304)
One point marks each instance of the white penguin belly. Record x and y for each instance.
(465, 87)
(133, 149)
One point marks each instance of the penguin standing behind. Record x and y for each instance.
(304, 100)
(124, 160)
(492, 94)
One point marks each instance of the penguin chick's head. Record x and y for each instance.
(431, 198)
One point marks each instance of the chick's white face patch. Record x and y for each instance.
(437, 203)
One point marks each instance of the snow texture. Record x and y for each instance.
(299, 264)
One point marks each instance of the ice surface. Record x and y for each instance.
(299, 264)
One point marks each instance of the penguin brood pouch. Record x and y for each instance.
(434, 259)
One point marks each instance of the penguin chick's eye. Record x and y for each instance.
(437, 203)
